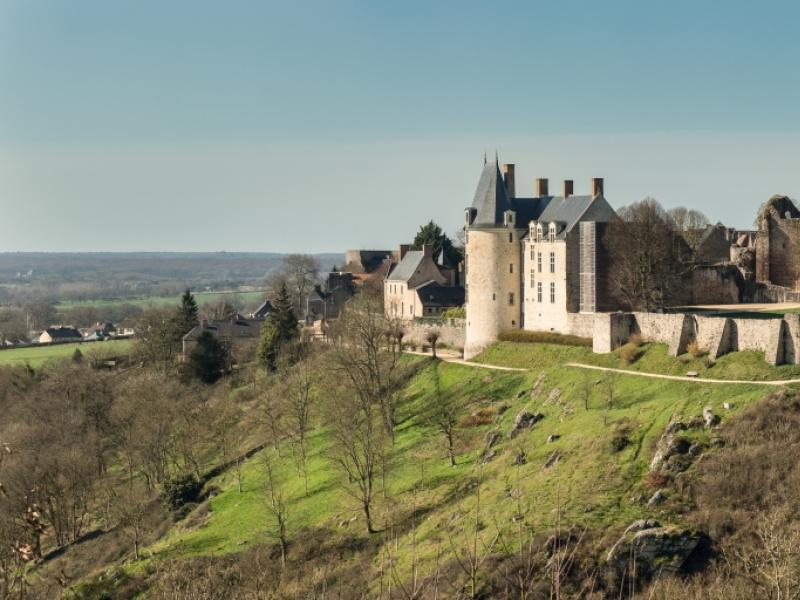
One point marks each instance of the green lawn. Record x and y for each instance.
(591, 484)
(200, 297)
(38, 355)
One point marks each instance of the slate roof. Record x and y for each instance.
(63, 333)
(407, 267)
(491, 199)
(436, 295)
(234, 328)
(565, 210)
(263, 311)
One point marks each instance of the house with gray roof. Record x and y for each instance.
(234, 332)
(416, 270)
(532, 262)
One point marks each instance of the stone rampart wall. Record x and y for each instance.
(451, 331)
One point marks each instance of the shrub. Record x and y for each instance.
(655, 480)
(455, 313)
(694, 349)
(484, 416)
(543, 337)
(181, 490)
(636, 339)
(630, 352)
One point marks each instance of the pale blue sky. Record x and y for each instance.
(318, 126)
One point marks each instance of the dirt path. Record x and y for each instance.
(450, 357)
(684, 377)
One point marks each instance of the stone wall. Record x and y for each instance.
(451, 331)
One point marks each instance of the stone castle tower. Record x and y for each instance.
(493, 260)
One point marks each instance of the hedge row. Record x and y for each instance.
(544, 337)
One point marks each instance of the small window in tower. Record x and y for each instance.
(510, 237)
(494, 296)
(510, 267)
(552, 262)
(511, 298)
(552, 293)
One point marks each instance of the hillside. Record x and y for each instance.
(581, 469)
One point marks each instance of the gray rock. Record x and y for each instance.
(653, 548)
(657, 498)
(695, 450)
(524, 420)
(492, 437)
(536, 385)
(692, 373)
(552, 459)
(674, 427)
(668, 446)
(488, 456)
(727, 405)
(709, 418)
(695, 423)
(552, 438)
(521, 458)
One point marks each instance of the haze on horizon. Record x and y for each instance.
(319, 126)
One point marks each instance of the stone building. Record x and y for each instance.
(416, 286)
(531, 262)
(778, 244)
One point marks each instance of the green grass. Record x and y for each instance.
(746, 365)
(591, 485)
(200, 297)
(38, 355)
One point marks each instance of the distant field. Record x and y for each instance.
(201, 297)
(39, 355)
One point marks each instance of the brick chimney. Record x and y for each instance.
(427, 250)
(541, 187)
(403, 250)
(568, 188)
(508, 177)
(597, 187)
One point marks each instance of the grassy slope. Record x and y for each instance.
(200, 297)
(38, 355)
(592, 484)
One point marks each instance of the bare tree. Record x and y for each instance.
(442, 413)
(277, 505)
(299, 272)
(433, 338)
(646, 257)
(690, 223)
(300, 392)
(359, 446)
(131, 510)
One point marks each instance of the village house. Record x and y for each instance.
(414, 287)
(233, 332)
(60, 335)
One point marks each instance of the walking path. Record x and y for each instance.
(684, 377)
(455, 359)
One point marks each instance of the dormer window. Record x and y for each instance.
(551, 233)
(509, 218)
(539, 232)
(469, 216)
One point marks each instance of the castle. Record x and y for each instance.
(539, 263)
(531, 262)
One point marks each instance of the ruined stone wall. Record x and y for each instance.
(719, 284)
(784, 253)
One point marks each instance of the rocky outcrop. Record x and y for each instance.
(709, 418)
(653, 549)
(524, 420)
(669, 450)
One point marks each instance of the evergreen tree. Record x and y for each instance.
(208, 358)
(279, 329)
(433, 235)
(187, 313)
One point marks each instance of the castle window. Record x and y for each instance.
(552, 293)
(539, 232)
(533, 279)
(510, 267)
(539, 262)
(511, 298)
(510, 237)
(532, 253)
(552, 232)
(494, 296)
(539, 292)
(552, 262)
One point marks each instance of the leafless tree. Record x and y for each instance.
(300, 272)
(646, 257)
(691, 223)
(433, 338)
(277, 505)
(300, 392)
(442, 413)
